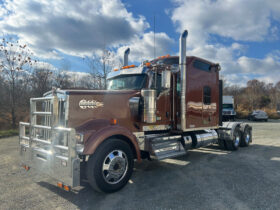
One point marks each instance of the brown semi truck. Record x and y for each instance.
(158, 110)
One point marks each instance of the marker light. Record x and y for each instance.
(164, 56)
(80, 138)
(66, 188)
(113, 121)
(127, 67)
(26, 167)
(148, 64)
(59, 184)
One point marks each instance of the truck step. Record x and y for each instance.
(166, 147)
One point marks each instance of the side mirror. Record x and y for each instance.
(217, 67)
(166, 79)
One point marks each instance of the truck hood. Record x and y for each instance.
(88, 105)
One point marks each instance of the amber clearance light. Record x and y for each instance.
(59, 184)
(66, 188)
(26, 167)
(148, 64)
(127, 67)
(113, 121)
(164, 56)
(62, 186)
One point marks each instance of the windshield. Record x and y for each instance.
(127, 82)
(167, 61)
(227, 106)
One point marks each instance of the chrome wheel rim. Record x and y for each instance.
(115, 167)
(247, 139)
(237, 139)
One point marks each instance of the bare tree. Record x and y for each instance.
(100, 66)
(61, 77)
(15, 63)
(255, 89)
(41, 79)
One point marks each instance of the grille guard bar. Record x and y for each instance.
(50, 157)
(50, 149)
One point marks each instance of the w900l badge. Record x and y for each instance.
(91, 104)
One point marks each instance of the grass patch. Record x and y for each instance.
(7, 133)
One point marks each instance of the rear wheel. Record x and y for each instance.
(235, 142)
(246, 136)
(111, 166)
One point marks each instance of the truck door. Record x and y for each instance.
(163, 101)
(176, 93)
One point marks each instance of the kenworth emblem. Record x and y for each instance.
(91, 104)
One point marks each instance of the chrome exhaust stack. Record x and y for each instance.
(125, 57)
(183, 72)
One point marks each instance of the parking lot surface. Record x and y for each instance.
(206, 178)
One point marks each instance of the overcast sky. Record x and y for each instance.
(242, 35)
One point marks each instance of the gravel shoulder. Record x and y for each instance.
(206, 178)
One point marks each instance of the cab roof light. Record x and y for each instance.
(148, 64)
(164, 56)
(127, 67)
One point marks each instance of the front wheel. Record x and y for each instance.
(111, 166)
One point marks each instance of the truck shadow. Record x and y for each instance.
(178, 175)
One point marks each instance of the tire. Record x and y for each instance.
(234, 144)
(111, 166)
(246, 136)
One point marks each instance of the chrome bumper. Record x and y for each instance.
(56, 156)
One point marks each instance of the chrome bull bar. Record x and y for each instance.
(50, 150)
(50, 157)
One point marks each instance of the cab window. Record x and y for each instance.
(202, 65)
(206, 95)
(156, 83)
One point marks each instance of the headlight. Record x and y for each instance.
(80, 138)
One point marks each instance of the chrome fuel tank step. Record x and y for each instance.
(165, 146)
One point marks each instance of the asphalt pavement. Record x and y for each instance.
(206, 178)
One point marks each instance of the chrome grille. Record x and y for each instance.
(46, 120)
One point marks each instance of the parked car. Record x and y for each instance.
(258, 115)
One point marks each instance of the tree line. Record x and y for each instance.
(256, 95)
(23, 77)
